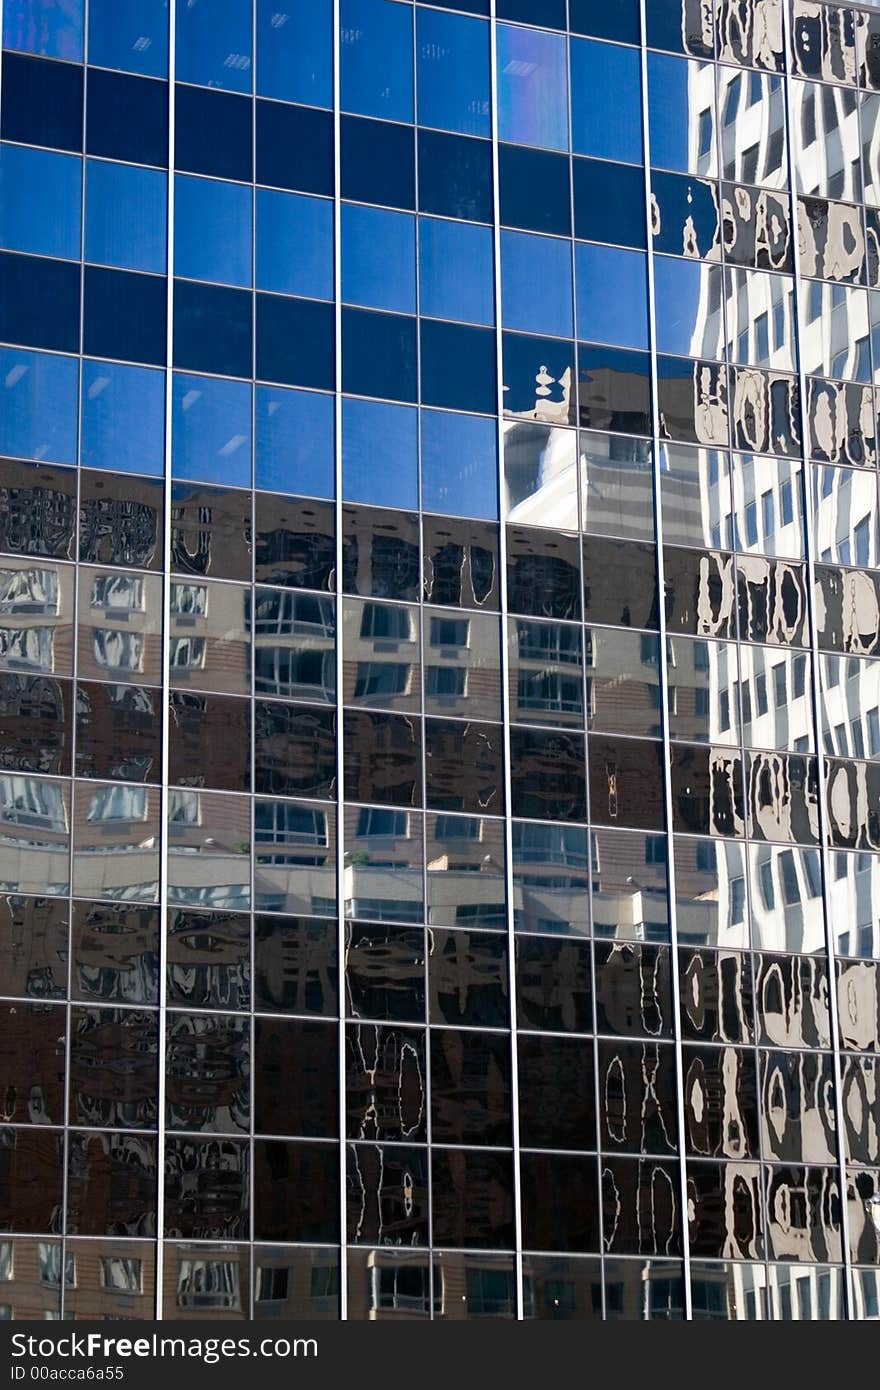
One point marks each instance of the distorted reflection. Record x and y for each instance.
(540, 475)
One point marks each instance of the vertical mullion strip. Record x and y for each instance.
(252, 662)
(816, 684)
(340, 769)
(664, 682)
(166, 683)
(422, 627)
(68, 1039)
(504, 671)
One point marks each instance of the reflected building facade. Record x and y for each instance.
(440, 660)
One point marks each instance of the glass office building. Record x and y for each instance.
(439, 659)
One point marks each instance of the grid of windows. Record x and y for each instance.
(440, 659)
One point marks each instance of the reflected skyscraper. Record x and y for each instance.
(440, 659)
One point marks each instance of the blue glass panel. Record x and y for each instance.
(126, 216)
(459, 464)
(676, 89)
(612, 296)
(214, 43)
(211, 430)
(40, 201)
(678, 287)
(129, 34)
(606, 101)
(38, 406)
(295, 51)
(294, 244)
(456, 278)
(453, 72)
(380, 453)
(378, 258)
(532, 87)
(376, 60)
(123, 418)
(294, 447)
(213, 227)
(53, 28)
(536, 294)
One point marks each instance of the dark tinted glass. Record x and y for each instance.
(207, 1073)
(208, 959)
(619, 21)
(549, 1224)
(378, 162)
(296, 1191)
(124, 315)
(547, 775)
(210, 531)
(525, 173)
(620, 583)
(35, 724)
(464, 766)
(387, 1195)
(379, 355)
(295, 965)
(294, 147)
(557, 1104)
(294, 750)
(455, 176)
(113, 1067)
(609, 202)
(380, 553)
(118, 732)
(539, 378)
(207, 1188)
(637, 1086)
(633, 990)
(295, 340)
(468, 983)
(460, 562)
(210, 742)
(212, 329)
(386, 1083)
(42, 102)
(614, 389)
(554, 985)
(213, 133)
(472, 1199)
(385, 972)
(111, 1184)
(457, 366)
(115, 953)
(543, 573)
(382, 758)
(120, 520)
(33, 936)
(39, 302)
(127, 118)
(626, 782)
(470, 1087)
(294, 542)
(295, 1070)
